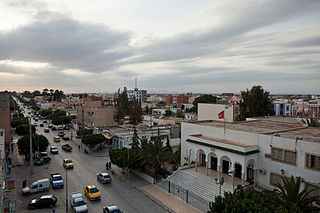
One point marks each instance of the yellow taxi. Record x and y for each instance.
(92, 192)
(67, 163)
(56, 139)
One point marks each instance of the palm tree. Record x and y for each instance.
(290, 199)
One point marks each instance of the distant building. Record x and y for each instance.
(176, 100)
(282, 108)
(140, 95)
(5, 115)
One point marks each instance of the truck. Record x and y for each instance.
(56, 181)
(37, 186)
(67, 147)
(77, 203)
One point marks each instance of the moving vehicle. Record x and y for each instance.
(111, 209)
(67, 163)
(54, 150)
(65, 137)
(50, 125)
(45, 201)
(56, 181)
(66, 128)
(60, 127)
(56, 139)
(46, 130)
(77, 203)
(35, 124)
(41, 125)
(92, 192)
(41, 161)
(61, 134)
(66, 147)
(38, 186)
(45, 121)
(104, 177)
(54, 128)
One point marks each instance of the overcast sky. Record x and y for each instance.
(209, 46)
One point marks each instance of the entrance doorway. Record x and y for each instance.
(238, 170)
(203, 159)
(214, 163)
(250, 174)
(225, 166)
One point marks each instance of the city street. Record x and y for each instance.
(121, 193)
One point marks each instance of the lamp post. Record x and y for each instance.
(67, 209)
(220, 182)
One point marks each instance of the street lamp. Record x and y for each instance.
(220, 182)
(67, 210)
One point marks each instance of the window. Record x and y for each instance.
(275, 178)
(313, 161)
(285, 156)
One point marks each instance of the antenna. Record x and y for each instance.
(136, 82)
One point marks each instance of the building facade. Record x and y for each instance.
(5, 116)
(176, 100)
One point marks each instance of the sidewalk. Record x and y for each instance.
(162, 198)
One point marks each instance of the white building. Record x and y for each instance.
(140, 95)
(258, 151)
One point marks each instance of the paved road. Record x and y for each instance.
(120, 192)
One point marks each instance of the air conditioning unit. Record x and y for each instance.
(262, 171)
(267, 155)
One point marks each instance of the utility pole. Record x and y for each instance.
(31, 156)
(67, 210)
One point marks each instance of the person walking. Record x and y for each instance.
(110, 165)
(24, 183)
(53, 210)
(107, 165)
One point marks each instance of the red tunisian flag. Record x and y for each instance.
(221, 115)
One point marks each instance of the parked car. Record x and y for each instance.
(45, 121)
(65, 137)
(66, 147)
(46, 130)
(42, 161)
(41, 125)
(60, 127)
(36, 119)
(54, 150)
(56, 139)
(38, 186)
(77, 203)
(92, 192)
(45, 201)
(61, 134)
(35, 124)
(104, 177)
(56, 181)
(111, 209)
(50, 125)
(67, 163)
(54, 128)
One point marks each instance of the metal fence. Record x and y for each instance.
(187, 196)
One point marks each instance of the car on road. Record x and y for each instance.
(42, 161)
(104, 177)
(92, 192)
(37, 186)
(56, 181)
(65, 137)
(66, 128)
(66, 147)
(50, 125)
(56, 139)
(61, 134)
(46, 130)
(60, 127)
(54, 150)
(67, 163)
(77, 203)
(41, 125)
(36, 119)
(45, 121)
(54, 128)
(111, 209)
(45, 201)
(35, 124)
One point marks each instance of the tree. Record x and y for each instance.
(58, 95)
(45, 92)
(19, 120)
(84, 132)
(146, 110)
(135, 139)
(179, 114)
(313, 122)
(135, 112)
(61, 120)
(24, 129)
(203, 99)
(119, 112)
(168, 112)
(125, 101)
(93, 139)
(38, 142)
(45, 112)
(255, 103)
(288, 197)
(36, 93)
(241, 201)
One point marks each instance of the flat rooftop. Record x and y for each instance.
(223, 141)
(270, 127)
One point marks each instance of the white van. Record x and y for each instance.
(38, 186)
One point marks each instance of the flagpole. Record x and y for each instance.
(224, 125)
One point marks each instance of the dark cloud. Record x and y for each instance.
(66, 43)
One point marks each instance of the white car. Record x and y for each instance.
(104, 177)
(54, 150)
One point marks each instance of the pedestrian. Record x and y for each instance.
(79, 147)
(12, 147)
(53, 210)
(24, 183)
(109, 164)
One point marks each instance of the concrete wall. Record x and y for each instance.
(211, 111)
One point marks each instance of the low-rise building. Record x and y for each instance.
(218, 112)
(5, 115)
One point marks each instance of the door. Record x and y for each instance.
(225, 166)
(250, 174)
(214, 163)
(203, 159)
(238, 170)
